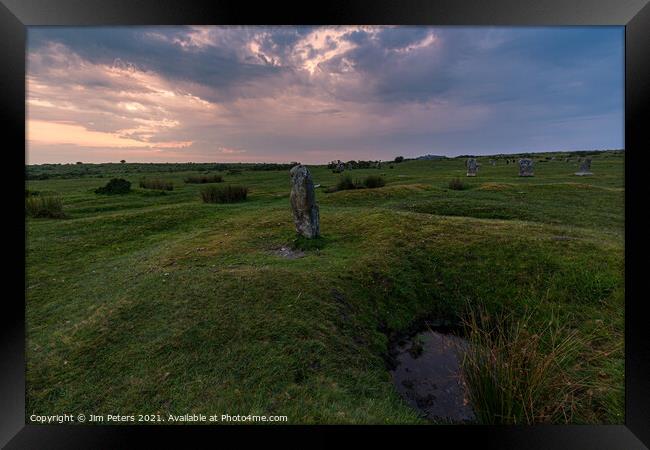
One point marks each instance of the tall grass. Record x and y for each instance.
(224, 194)
(156, 183)
(374, 181)
(371, 181)
(201, 179)
(345, 183)
(49, 206)
(457, 185)
(518, 372)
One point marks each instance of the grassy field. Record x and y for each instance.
(160, 303)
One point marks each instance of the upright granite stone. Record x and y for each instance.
(526, 167)
(303, 202)
(585, 168)
(472, 167)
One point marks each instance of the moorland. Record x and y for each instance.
(155, 301)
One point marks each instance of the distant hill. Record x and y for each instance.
(428, 157)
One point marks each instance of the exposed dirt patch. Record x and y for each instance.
(288, 252)
(494, 187)
(563, 238)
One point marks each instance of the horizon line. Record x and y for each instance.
(325, 163)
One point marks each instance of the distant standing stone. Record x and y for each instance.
(303, 202)
(585, 168)
(526, 167)
(472, 167)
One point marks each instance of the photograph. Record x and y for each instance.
(325, 225)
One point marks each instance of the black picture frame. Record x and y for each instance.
(16, 15)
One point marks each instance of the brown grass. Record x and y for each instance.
(519, 373)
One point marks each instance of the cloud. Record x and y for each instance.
(302, 93)
(64, 133)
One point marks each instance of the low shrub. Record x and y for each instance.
(201, 179)
(50, 206)
(156, 183)
(235, 171)
(518, 372)
(374, 181)
(224, 194)
(115, 186)
(345, 183)
(457, 185)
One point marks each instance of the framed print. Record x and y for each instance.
(421, 218)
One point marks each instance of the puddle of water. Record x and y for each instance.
(427, 376)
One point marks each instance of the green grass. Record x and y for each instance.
(157, 184)
(521, 372)
(224, 194)
(141, 303)
(200, 179)
(45, 206)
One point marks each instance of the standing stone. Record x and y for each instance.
(526, 167)
(493, 162)
(472, 167)
(303, 202)
(585, 168)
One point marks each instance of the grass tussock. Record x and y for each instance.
(520, 373)
(457, 185)
(374, 181)
(156, 183)
(116, 186)
(345, 183)
(224, 194)
(202, 179)
(47, 206)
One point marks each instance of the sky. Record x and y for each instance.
(317, 94)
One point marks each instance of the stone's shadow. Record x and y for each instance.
(305, 244)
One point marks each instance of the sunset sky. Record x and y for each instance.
(316, 94)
